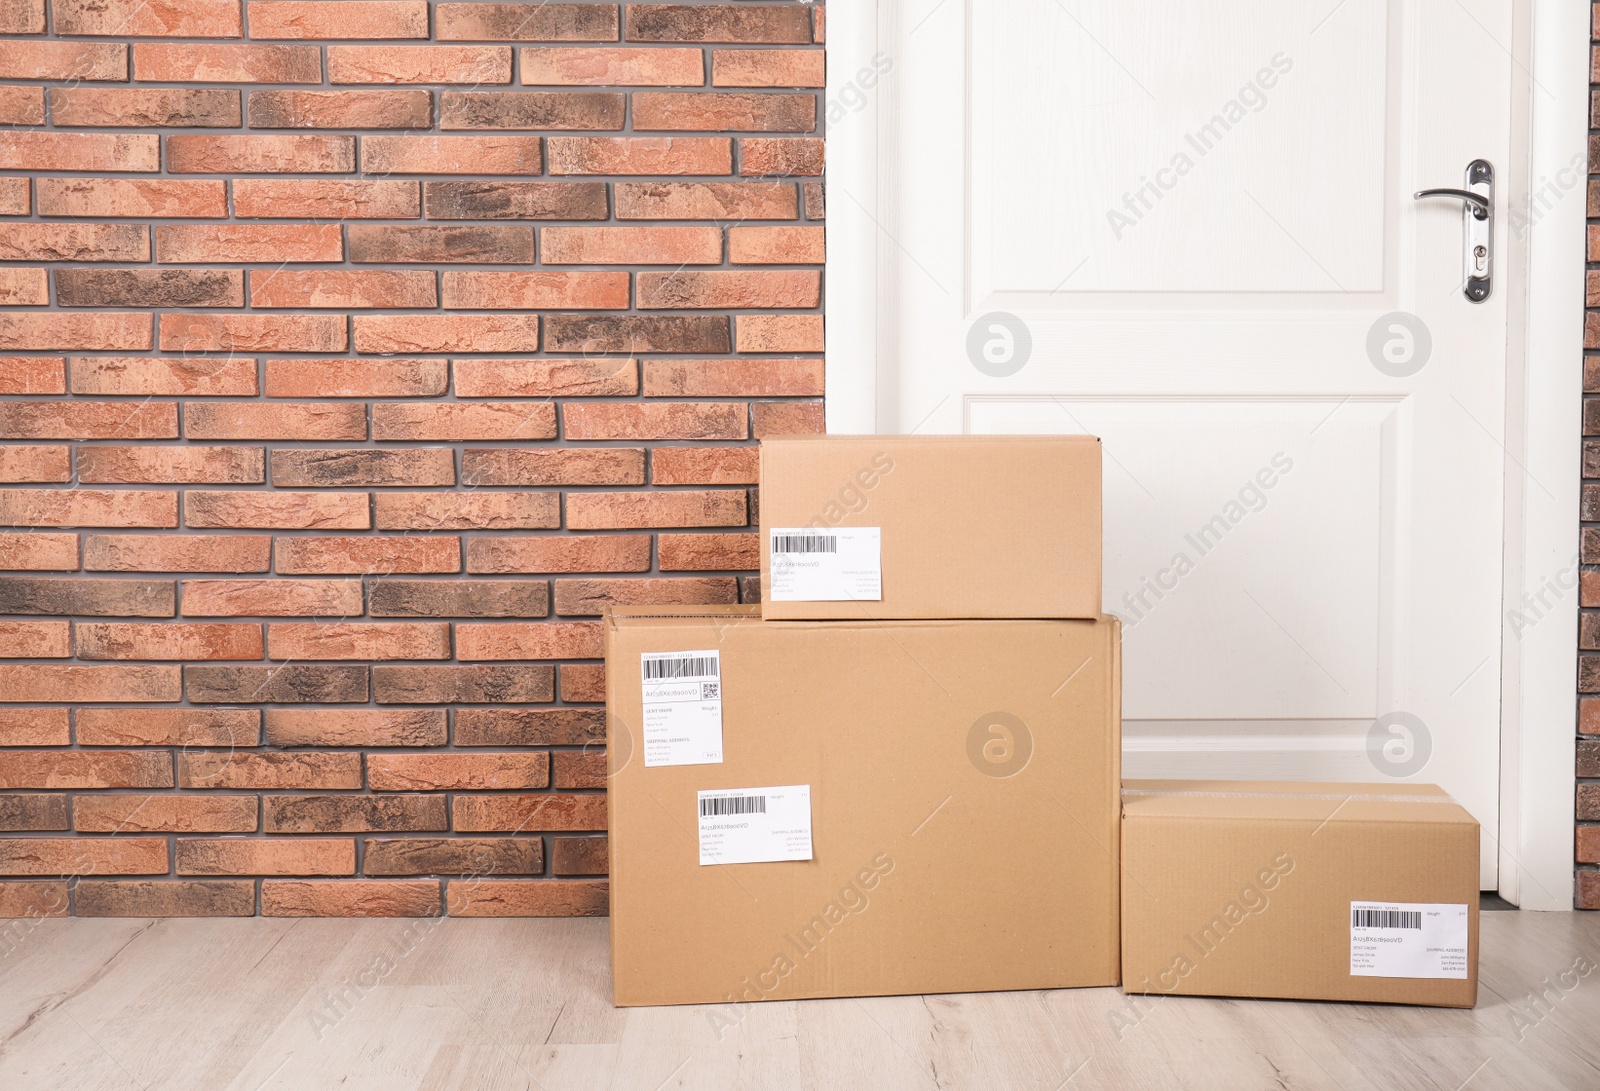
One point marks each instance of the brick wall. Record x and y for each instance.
(353, 354)
(1588, 853)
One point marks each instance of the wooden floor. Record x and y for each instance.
(253, 1005)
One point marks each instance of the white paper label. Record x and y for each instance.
(839, 564)
(1408, 939)
(755, 825)
(682, 707)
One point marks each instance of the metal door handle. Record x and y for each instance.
(1480, 206)
(1477, 227)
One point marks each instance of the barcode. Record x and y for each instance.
(1385, 918)
(805, 543)
(718, 805)
(683, 666)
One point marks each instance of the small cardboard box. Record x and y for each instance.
(968, 527)
(1299, 890)
(962, 780)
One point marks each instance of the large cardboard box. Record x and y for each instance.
(1306, 891)
(968, 527)
(962, 780)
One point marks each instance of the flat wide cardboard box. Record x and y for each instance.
(1246, 888)
(971, 526)
(963, 779)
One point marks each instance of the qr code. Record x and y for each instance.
(710, 691)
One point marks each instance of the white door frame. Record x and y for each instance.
(1544, 400)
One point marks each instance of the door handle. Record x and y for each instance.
(1477, 227)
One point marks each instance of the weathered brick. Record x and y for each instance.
(180, 243)
(87, 597)
(530, 726)
(631, 245)
(271, 598)
(166, 898)
(154, 375)
(21, 105)
(33, 375)
(342, 288)
(767, 68)
(150, 288)
(684, 289)
(228, 770)
(113, 640)
(464, 420)
(553, 466)
(532, 109)
(78, 856)
(85, 768)
(671, 420)
(34, 727)
(770, 156)
(311, 468)
(356, 727)
(35, 640)
(545, 378)
(358, 640)
(274, 420)
(176, 553)
(427, 243)
(349, 898)
(103, 330)
(466, 856)
(519, 290)
(15, 195)
(725, 111)
(189, 62)
(785, 419)
(170, 465)
(164, 814)
(354, 814)
(775, 24)
(31, 287)
(452, 155)
(143, 19)
(277, 510)
(71, 61)
(388, 109)
(778, 333)
(347, 19)
(575, 856)
(35, 463)
(560, 553)
(538, 640)
(617, 66)
(459, 598)
(367, 556)
(356, 378)
(630, 333)
(473, 200)
(577, 598)
(261, 154)
(467, 685)
(705, 201)
(146, 107)
(87, 508)
(640, 155)
(528, 898)
(527, 22)
(324, 198)
(74, 242)
(812, 196)
(38, 552)
(775, 246)
(709, 552)
(481, 510)
(264, 856)
(474, 64)
(183, 727)
(457, 772)
(291, 683)
(627, 510)
(582, 681)
(733, 378)
(34, 813)
(545, 811)
(21, 16)
(574, 769)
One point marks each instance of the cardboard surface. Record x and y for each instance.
(932, 871)
(1245, 888)
(972, 526)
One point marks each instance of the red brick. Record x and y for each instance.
(367, 556)
(577, 598)
(389, 109)
(819, 23)
(146, 107)
(166, 898)
(324, 198)
(277, 510)
(146, 19)
(705, 201)
(178, 243)
(500, 685)
(457, 772)
(451, 154)
(613, 67)
(274, 420)
(87, 508)
(813, 198)
(779, 333)
(462, 243)
(785, 419)
(28, 463)
(356, 727)
(767, 68)
(348, 19)
(228, 770)
(786, 23)
(528, 898)
(353, 378)
(574, 769)
(578, 856)
(463, 420)
(1588, 845)
(603, 333)
(350, 898)
(640, 155)
(34, 727)
(733, 378)
(626, 510)
(36, 552)
(74, 61)
(161, 376)
(463, 856)
(358, 640)
(165, 814)
(35, 640)
(114, 640)
(551, 811)
(582, 681)
(176, 553)
(95, 597)
(530, 726)
(271, 598)
(83, 856)
(33, 375)
(725, 111)
(527, 22)
(481, 510)
(354, 814)
(15, 195)
(161, 62)
(535, 291)
(473, 64)
(21, 16)
(21, 106)
(184, 727)
(726, 289)
(553, 466)
(560, 553)
(35, 812)
(31, 287)
(775, 246)
(485, 200)
(33, 900)
(532, 110)
(673, 420)
(771, 156)
(258, 856)
(545, 378)
(342, 288)
(260, 154)
(631, 245)
(314, 468)
(85, 768)
(105, 330)
(170, 465)
(74, 242)
(529, 640)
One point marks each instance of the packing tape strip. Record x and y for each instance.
(1351, 796)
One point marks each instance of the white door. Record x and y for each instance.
(1190, 230)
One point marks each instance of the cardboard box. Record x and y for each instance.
(962, 782)
(969, 526)
(1296, 890)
